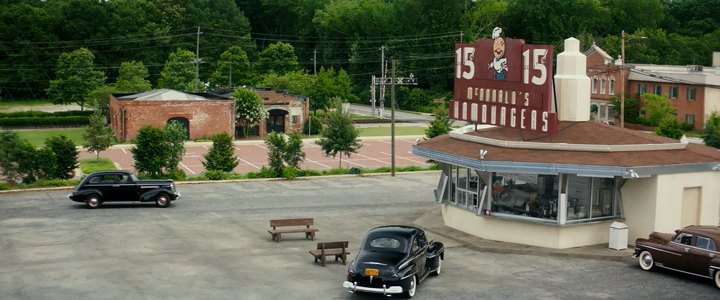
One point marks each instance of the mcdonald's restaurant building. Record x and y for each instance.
(538, 171)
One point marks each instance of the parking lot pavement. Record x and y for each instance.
(252, 155)
(213, 244)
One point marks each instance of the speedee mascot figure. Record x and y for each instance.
(499, 63)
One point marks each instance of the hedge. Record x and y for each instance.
(35, 121)
(33, 113)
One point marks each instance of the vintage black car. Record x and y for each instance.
(691, 250)
(109, 186)
(393, 260)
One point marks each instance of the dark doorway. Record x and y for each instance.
(185, 123)
(276, 120)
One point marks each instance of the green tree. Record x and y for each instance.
(75, 78)
(339, 134)
(295, 82)
(132, 78)
(66, 156)
(481, 17)
(249, 108)
(174, 139)
(275, 142)
(416, 100)
(97, 135)
(658, 109)
(278, 58)
(670, 128)
(233, 69)
(441, 124)
(329, 84)
(99, 99)
(150, 152)
(632, 109)
(284, 152)
(17, 158)
(221, 156)
(179, 72)
(711, 132)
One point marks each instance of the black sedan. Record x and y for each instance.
(393, 260)
(109, 186)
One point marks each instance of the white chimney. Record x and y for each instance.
(716, 59)
(572, 83)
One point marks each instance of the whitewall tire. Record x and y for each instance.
(646, 260)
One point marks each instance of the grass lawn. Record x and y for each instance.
(90, 165)
(37, 137)
(385, 131)
(4, 105)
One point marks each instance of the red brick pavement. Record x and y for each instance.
(253, 155)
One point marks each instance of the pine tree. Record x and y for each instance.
(98, 136)
(440, 125)
(221, 156)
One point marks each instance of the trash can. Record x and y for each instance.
(618, 236)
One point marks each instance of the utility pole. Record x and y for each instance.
(622, 77)
(314, 61)
(231, 64)
(382, 77)
(197, 61)
(392, 122)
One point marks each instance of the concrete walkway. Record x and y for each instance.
(432, 221)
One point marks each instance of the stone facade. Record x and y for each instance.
(204, 115)
(286, 112)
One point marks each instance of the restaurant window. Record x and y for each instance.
(612, 86)
(468, 188)
(691, 94)
(594, 85)
(642, 89)
(657, 90)
(673, 92)
(590, 198)
(529, 195)
(602, 86)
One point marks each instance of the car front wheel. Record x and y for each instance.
(717, 278)
(411, 287)
(646, 260)
(162, 200)
(93, 201)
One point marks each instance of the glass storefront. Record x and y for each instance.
(532, 196)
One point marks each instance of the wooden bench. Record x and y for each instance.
(337, 249)
(277, 233)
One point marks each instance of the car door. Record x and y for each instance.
(419, 256)
(126, 188)
(680, 249)
(700, 254)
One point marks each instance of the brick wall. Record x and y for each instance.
(205, 117)
(296, 106)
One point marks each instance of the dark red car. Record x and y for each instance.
(691, 250)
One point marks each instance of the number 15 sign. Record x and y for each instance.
(505, 83)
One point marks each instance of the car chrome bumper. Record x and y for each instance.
(353, 287)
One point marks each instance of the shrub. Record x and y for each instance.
(45, 121)
(175, 174)
(309, 173)
(289, 172)
(336, 171)
(214, 174)
(316, 125)
(687, 127)
(669, 128)
(354, 170)
(221, 156)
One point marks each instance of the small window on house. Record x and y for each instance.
(691, 94)
(295, 119)
(673, 92)
(602, 86)
(612, 86)
(594, 85)
(642, 89)
(690, 119)
(657, 90)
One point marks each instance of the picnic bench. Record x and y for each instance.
(337, 249)
(277, 233)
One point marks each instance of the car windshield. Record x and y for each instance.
(385, 244)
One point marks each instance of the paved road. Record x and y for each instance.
(399, 115)
(213, 244)
(252, 156)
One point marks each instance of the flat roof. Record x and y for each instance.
(581, 148)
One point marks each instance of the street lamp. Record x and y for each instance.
(622, 78)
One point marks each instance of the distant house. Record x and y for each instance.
(202, 114)
(693, 90)
(286, 113)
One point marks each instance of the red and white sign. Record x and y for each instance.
(504, 83)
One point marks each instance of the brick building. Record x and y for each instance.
(286, 112)
(202, 114)
(693, 90)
